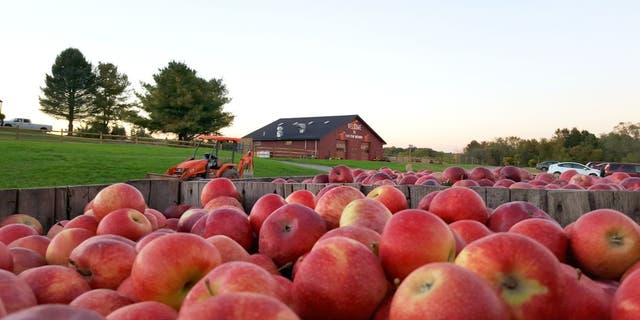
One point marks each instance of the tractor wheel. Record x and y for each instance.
(230, 173)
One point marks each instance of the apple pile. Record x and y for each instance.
(337, 254)
(500, 177)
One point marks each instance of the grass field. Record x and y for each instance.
(33, 159)
(49, 163)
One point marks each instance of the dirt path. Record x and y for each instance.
(307, 165)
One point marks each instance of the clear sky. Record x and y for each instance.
(434, 74)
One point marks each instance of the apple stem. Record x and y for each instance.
(207, 284)
(579, 273)
(285, 266)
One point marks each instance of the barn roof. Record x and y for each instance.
(305, 128)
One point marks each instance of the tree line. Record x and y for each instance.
(622, 144)
(179, 101)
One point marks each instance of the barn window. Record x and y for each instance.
(340, 146)
(288, 143)
(364, 147)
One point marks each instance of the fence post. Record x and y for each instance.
(100, 137)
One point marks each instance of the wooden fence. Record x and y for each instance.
(53, 204)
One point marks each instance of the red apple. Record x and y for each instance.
(566, 176)
(189, 218)
(175, 210)
(218, 187)
(626, 301)
(523, 272)
(320, 178)
(129, 223)
(304, 197)
(231, 222)
(425, 202)
(331, 204)
(24, 259)
(366, 236)
(221, 201)
(263, 261)
(454, 173)
(263, 207)
(234, 276)
(412, 238)
(470, 230)
(230, 250)
(459, 203)
(605, 242)
(103, 262)
(392, 198)
(503, 183)
(479, 173)
(152, 236)
(239, 306)
(15, 293)
(289, 232)
(14, 231)
(547, 232)
(325, 189)
(166, 268)
(160, 218)
(63, 243)
(339, 279)
(340, 174)
(504, 216)
(102, 301)
(510, 172)
(54, 311)
(117, 196)
(466, 183)
(144, 310)
(631, 183)
(6, 259)
(443, 290)
(83, 221)
(582, 297)
(56, 228)
(367, 213)
(23, 219)
(54, 284)
(37, 243)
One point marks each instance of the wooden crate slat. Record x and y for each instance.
(567, 206)
(144, 186)
(497, 196)
(537, 197)
(602, 199)
(39, 203)
(189, 193)
(419, 192)
(163, 193)
(8, 202)
(628, 202)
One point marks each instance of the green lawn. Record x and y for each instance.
(34, 159)
(54, 163)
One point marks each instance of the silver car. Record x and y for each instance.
(560, 167)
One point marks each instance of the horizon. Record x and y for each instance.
(432, 75)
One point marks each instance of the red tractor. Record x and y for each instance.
(210, 166)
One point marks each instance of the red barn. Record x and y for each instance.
(332, 137)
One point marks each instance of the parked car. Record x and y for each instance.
(544, 165)
(560, 167)
(25, 123)
(633, 169)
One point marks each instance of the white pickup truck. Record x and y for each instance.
(25, 123)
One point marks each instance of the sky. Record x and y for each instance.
(433, 74)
